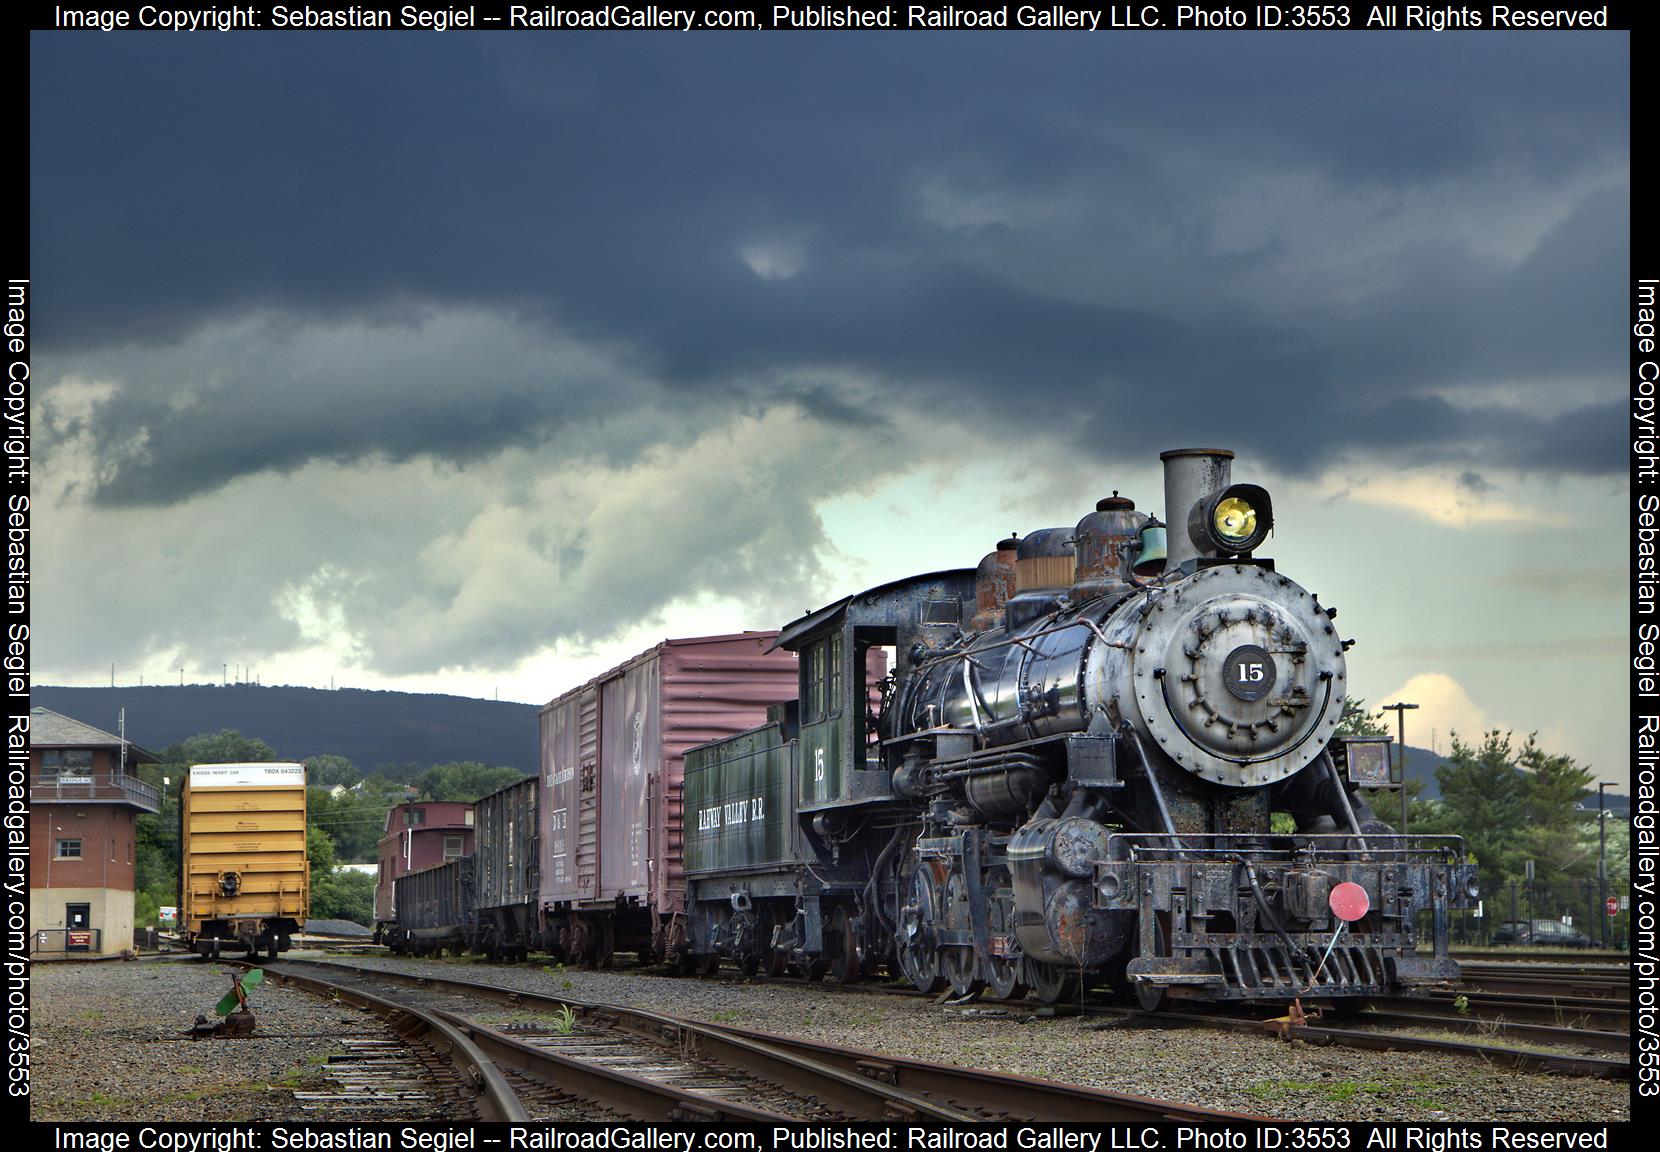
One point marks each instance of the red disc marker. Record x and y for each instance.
(1348, 902)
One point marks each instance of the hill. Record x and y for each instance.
(371, 729)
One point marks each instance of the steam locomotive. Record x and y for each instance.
(1072, 772)
(1109, 753)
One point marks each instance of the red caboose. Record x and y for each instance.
(419, 834)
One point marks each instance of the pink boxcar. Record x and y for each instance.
(612, 762)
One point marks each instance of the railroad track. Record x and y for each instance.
(1579, 957)
(380, 1082)
(1546, 980)
(646, 1065)
(1506, 1028)
(1555, 1034)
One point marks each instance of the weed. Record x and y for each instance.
(564, 1021)
(1461, 1005)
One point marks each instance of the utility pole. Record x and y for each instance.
(1400, 711)
(1602, 862)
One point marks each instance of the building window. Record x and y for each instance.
(469, 820)
(69, 849)
(66, 762)
(452, 847)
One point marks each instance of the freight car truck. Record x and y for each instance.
(244, 879)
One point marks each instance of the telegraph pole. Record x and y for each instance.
(1602, 863)
(1400, 711)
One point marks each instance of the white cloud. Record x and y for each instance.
(1444, 706)
(775, 259)
(1441, 498)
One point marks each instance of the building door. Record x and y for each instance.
(77, 922)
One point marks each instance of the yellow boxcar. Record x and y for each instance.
(245, 881)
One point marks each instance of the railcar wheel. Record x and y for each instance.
(844, 943)
(1150, 996)
(708, 965)
(917, 955)
(1051, 983)
(813, 970)
(271, 949)
(778, 962)
(605, 943)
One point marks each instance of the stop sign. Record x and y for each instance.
(1611, 905)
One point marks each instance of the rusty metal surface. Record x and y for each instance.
(561, 724)
(621, 808)
(406, 847)
(506, 861)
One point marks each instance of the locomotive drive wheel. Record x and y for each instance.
(917, 956)
(1005, 971)
(962, 966)
(1051, 983)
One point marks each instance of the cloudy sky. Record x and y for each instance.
(475, 363)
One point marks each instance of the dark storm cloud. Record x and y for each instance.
(1022, 232)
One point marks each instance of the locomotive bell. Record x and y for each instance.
(1154, 550)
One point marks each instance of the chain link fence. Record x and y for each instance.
(1544, 914)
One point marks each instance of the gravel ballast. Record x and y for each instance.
(1199, 1066)
(108, 1044)
(107, 1047)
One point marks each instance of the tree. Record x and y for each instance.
(1484, 800)
(336, 894)
(354, 819)
(328, 771)
(1357, 721)
(466, 780)
(1555, 785)
(227, 746)
(347, 895)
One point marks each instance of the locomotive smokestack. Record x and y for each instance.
(1190, 474)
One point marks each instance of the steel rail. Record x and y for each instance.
(494, 1098)
(852, 1095)
(1004, 1095)
(1352, 1036)
(907, 1088)
(1567, 1011)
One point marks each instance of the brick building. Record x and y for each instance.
(84, 801)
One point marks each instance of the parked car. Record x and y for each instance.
(1540, 934)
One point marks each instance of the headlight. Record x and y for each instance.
(1234, 521)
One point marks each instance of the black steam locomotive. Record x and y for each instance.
(1067, 764)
